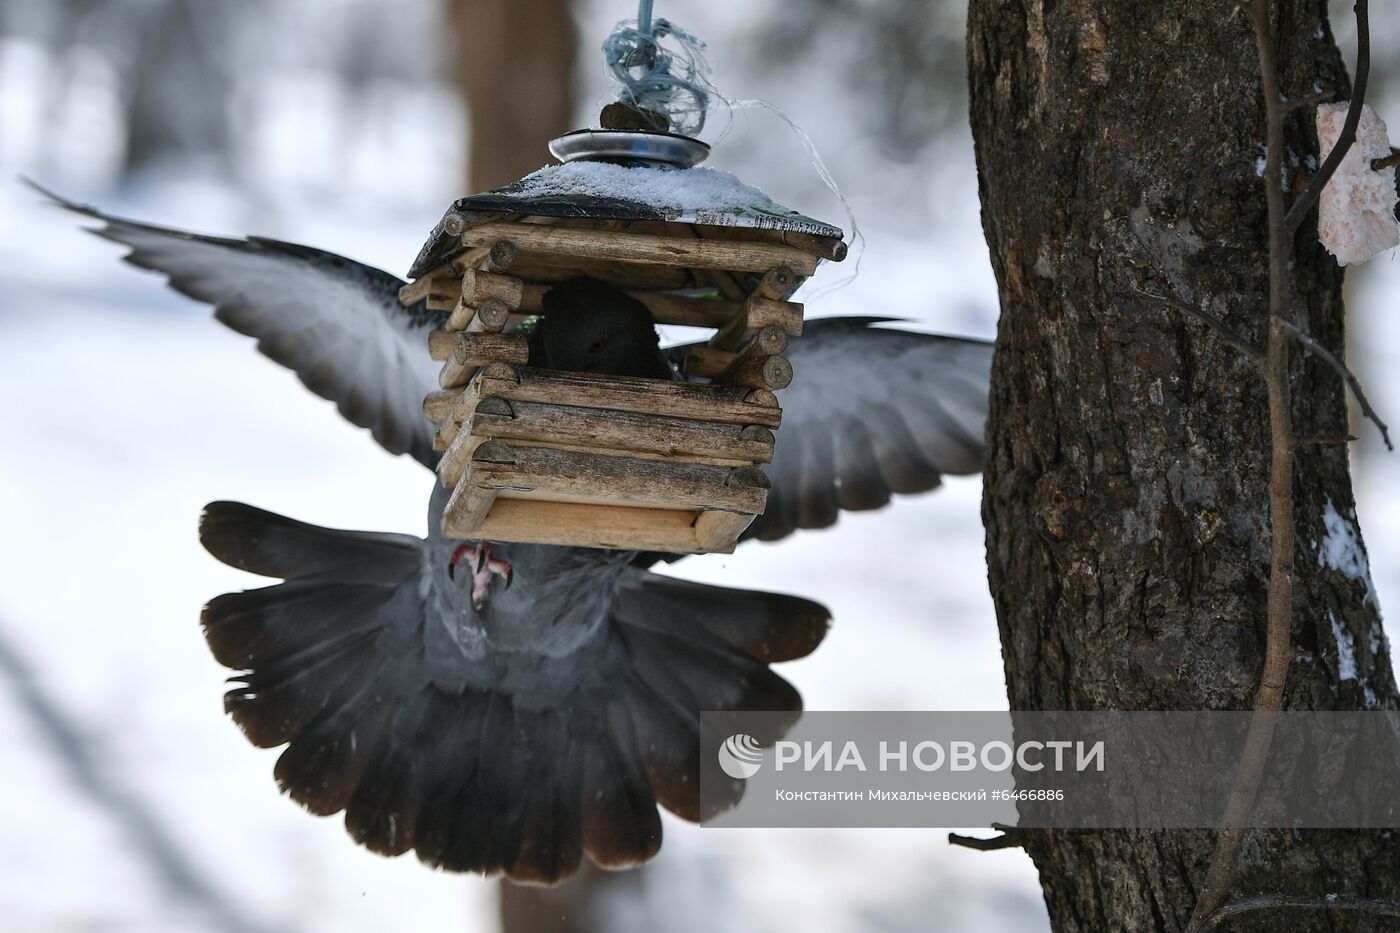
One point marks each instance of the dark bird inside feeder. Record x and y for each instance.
(592, 327)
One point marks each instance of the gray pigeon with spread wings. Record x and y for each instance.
(508, 707)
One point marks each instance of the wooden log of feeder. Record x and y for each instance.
(609, 526)
(779, 282)
(549, 268)
(682, 310)
(478, 286)
(437, 404)
(558, 476)
(826, 247)
(489, 317)
(621, 430)
(769, 341)
(523, 472)
(763, 397)
(447, 344)
(718, 532)
(646, 249)
(756, 314)
(451, 408)
(440, 344)
(441, 289)
(457, 456)
(599, 431)
(758, 364)
(728, 404)
(768, 372)
(472, 351)
(499, 258)
(704, 362)
(458, 448)
(466, 509)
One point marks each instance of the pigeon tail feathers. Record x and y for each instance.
(333, 663)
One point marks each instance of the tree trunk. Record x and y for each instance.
(177, 85)
(514, 63)
(1125, 495)
(593, 901)
(514, 66)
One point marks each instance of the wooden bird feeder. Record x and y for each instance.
(548, 456)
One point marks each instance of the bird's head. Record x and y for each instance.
(592, 327)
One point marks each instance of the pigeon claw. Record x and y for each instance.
(484, 568)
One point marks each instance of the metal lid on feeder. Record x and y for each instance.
(630, 147)
(629, 175)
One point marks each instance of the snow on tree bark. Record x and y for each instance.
(1125, 494)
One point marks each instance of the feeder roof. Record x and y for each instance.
(607, 191)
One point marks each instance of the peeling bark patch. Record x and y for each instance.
(1094, 48)
(1039, 45)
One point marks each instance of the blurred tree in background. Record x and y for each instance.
(514, 64)
(903, 59)
(170, 59)
(175, 67)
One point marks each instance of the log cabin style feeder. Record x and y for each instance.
(548, 456)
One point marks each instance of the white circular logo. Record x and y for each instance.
(740, 756)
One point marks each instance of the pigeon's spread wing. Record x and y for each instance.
(872, 411)
(336, 323)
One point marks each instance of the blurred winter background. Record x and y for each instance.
(127, 800)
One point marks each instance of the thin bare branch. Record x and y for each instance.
(1328, 357)
(1324, 441)
(1371, 905)
(1222, 330)
(1278, 651)
(1009, 839)
(1309, 197)
(1380, 165)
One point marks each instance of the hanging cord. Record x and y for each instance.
(641, 68)
(656, 76)
(827, 179)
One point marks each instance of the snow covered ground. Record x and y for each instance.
(131, 803)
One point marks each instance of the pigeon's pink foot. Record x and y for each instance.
(484, 567)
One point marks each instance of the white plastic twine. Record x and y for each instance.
(640, 60)
(641, 55)
(827, 179)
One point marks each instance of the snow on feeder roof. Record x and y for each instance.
(610, 191)
(590, 460)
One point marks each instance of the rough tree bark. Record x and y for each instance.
(1125, 495)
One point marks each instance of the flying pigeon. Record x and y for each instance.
(503, 707)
